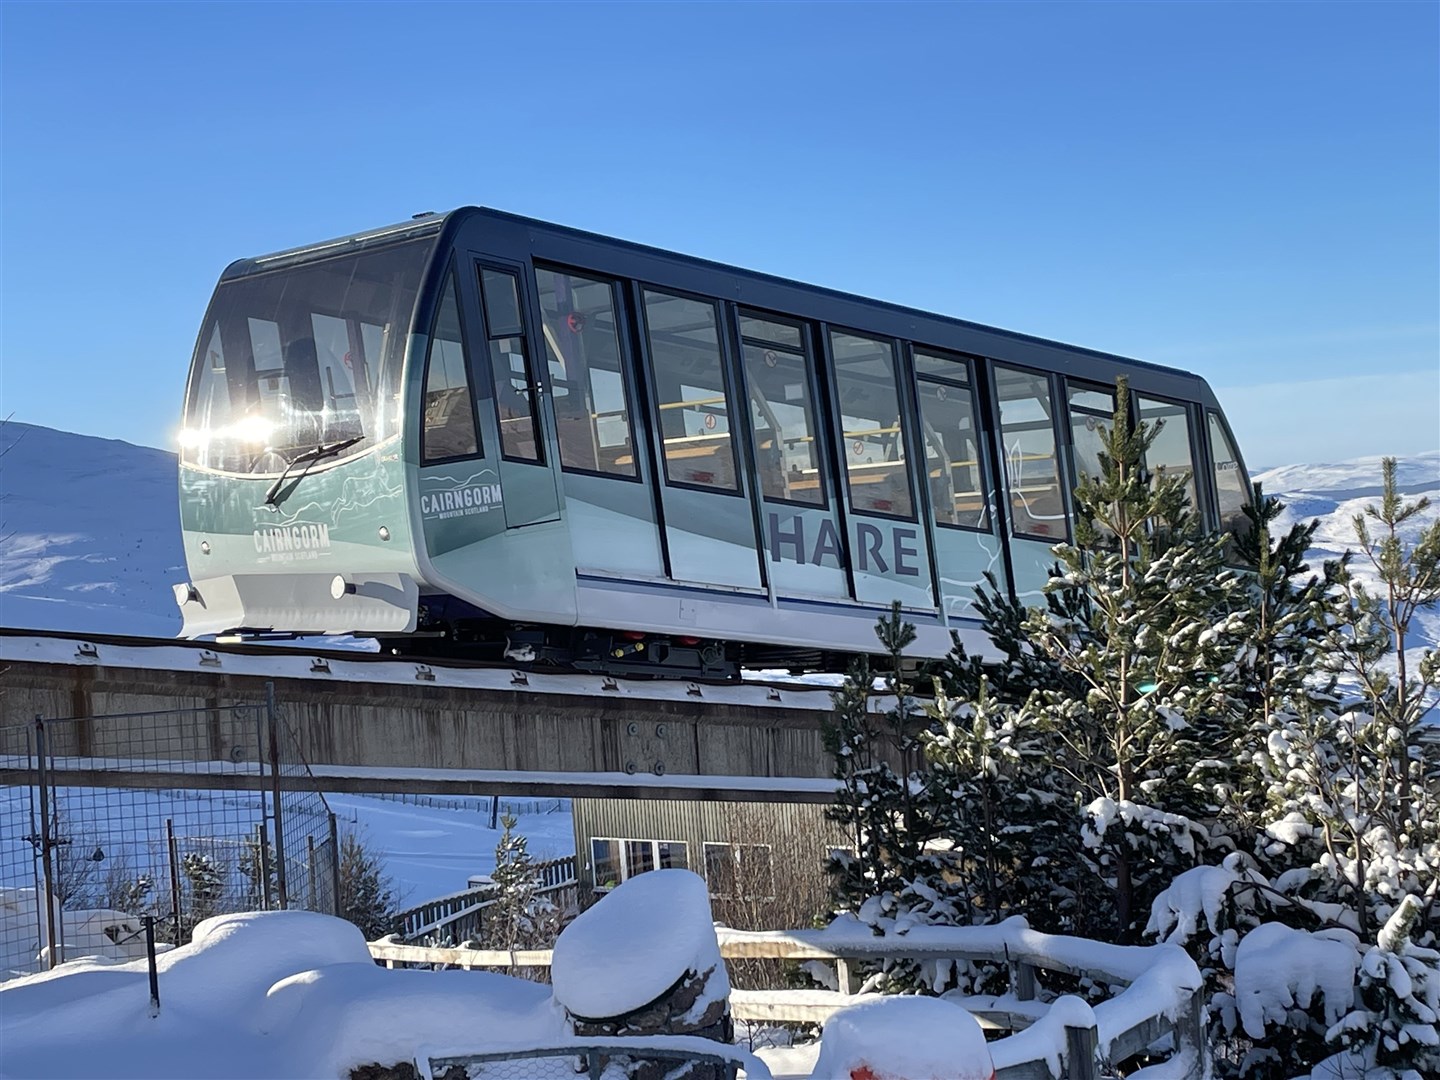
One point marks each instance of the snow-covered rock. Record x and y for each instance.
(903, 1038)
(637, 943)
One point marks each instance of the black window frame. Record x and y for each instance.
(625, 324)
(1062, 441)
(452, 275)
(1203, 507)
(741, 488)
(537, 392)
(812, 376)
(902, 403)
(971, 385)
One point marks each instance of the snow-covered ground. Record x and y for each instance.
(430, 851)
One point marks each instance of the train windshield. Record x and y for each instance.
(301, 358)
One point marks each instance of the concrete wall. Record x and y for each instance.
(399, 726)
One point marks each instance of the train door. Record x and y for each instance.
(1035, 498)
(528, 482)
(803, 533)
(958, 473)
(605, 472)
(709, 526)
(889, 552)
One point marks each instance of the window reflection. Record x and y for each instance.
(874, 430)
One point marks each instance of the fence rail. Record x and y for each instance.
(1161, 995)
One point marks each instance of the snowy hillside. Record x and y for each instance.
(1336, 493)
(90, 528)
(89, 534)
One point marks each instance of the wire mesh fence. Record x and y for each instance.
(657, 1057)
(179, 814)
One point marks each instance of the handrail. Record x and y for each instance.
(1162, 995)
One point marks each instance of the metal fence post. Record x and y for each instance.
(174, 851)
(262, 838)
(272, 719)
(335, 905)
(47, 868)
(312, 887)
(154, 971)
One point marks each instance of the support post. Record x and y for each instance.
(311, 887)
(174, 851)
(1080, 1047)
(262, 839)
(272, 723)
(47, 867)
(845, 978)
(1190, 1033)
(154, 970)
(335, 906)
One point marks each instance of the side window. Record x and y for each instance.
(449, 413)
(510, 365)
(740, 871)
(613, 861)
(1231, 487)
(872, 425)
(951, 437)
(777, 371)
(1172, 454)
(1027, 437)
(582, 348)
(1089, 410)
(690, 390)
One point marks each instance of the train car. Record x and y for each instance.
(485, 435)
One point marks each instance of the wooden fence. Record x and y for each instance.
(1162, 991)
(460, 916)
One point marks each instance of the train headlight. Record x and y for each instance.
(339, 587)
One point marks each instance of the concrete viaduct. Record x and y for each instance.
(365, 723)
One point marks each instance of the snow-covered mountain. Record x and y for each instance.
(90, 528)
(89, 534)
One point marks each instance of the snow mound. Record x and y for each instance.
(903, 1038)
(1278, 968)
(637, 943)
(355, 1014)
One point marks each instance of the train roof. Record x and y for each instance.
(431, 223)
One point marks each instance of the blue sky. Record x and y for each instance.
(1248, 191)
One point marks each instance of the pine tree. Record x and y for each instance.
(367, 894)
(1148, 647)
(992, 795)
(878, 807)
(520, 917)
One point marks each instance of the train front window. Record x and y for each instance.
(872, 425)
(449, 413)
(302, 357)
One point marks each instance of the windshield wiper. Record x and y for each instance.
(318, 452)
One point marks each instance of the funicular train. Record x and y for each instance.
(484, 435)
